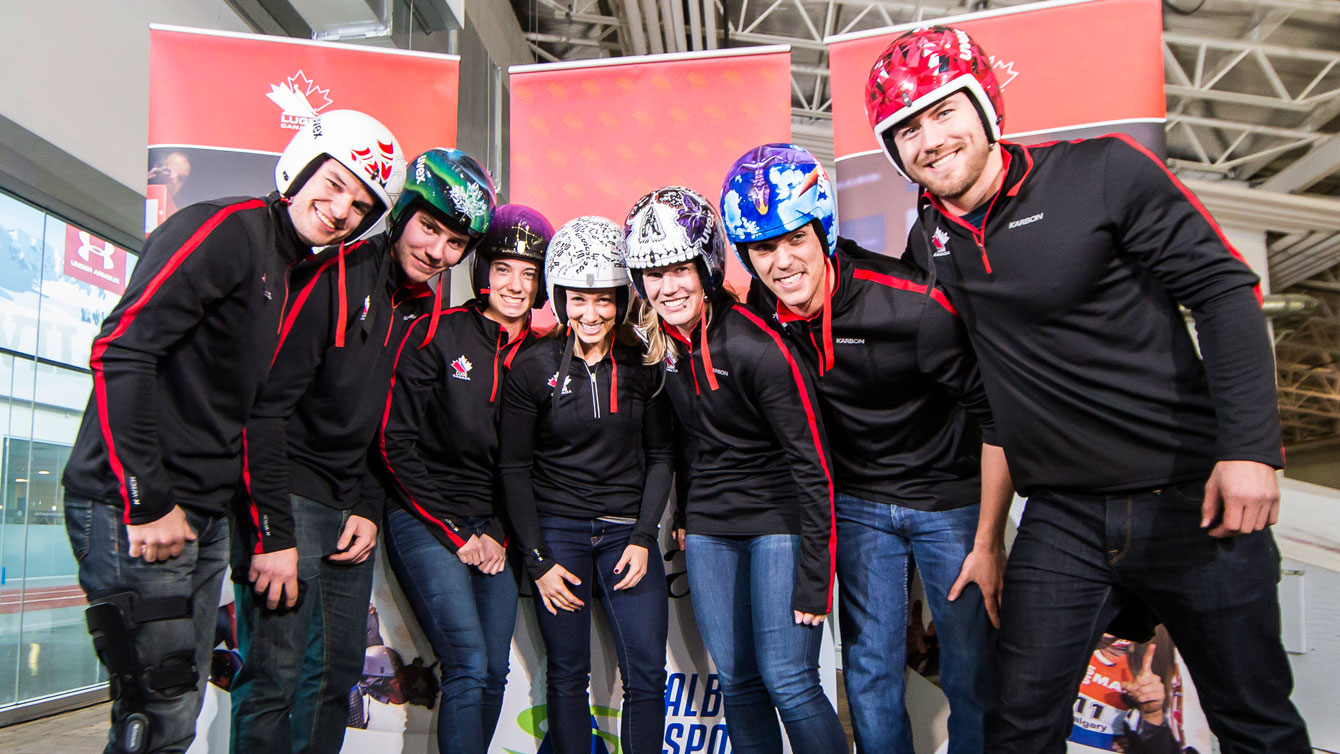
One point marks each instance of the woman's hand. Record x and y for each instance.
(470, 552)
(554, 591)
(492, 556)
(808, 619)
(635, 560)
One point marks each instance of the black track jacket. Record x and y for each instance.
(440, 434)
(754, 444)
(180, 359)
(903, 402)
(312, 426)
(604, 452)
(1070, 297)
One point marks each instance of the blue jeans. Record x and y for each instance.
(280, 702)
(742, 589)
(639, 622)
(1079, 559)
(98, 538)
(875, 541)
(468, 617)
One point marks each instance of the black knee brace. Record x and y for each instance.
(113, 620)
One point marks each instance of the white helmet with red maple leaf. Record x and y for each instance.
(357, 141)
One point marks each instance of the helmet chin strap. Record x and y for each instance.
(563, 366)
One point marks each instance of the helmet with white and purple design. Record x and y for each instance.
(774, 189)
(672, 225)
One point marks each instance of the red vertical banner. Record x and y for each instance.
(590, 138)
(222, 106)
(1068, 69)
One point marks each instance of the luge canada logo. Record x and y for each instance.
(566, 381)
(300, 99)
(461, 368)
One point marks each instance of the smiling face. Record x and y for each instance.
(512, 286)
(676, 292)
(591, 314)
(945, 149)
(793, 267)
(427, 246)
(330, 205)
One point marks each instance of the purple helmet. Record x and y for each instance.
(672, 225)
(517, 232)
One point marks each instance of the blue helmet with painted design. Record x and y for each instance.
(774, 189)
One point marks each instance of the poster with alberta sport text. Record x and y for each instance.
(222, 107)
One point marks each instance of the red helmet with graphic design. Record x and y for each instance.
(922, 67)
(357, 141)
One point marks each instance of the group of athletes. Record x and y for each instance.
(280, 383)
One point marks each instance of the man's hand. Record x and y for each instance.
(1146, 691)
(635, 560)
(985, 567)
(682, 539)
(160, 539)
(555, 592)
(492, 556)
(472, 552)
(808, 619)
(1240, 497)
(356, 541)
(274, 575)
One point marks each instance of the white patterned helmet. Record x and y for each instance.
(672, 225)
(357, 141)
(587, 252)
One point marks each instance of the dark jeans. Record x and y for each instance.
(639, 622)
(468, 617)
(280, 702)
(875, 543)
(98, 538)
(1079, 559)
(767, 663)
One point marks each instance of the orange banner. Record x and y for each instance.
(222, 105)
(1060, 65)
(590, 139)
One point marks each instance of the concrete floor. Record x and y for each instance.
(81, 730)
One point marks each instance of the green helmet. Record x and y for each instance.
(454, 187)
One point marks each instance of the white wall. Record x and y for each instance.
(77, 73)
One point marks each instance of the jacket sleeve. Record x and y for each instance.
(371, 488)
(305, 334)
(785, 395)
(946, 356)
(418, 372)
(198, 257)
(1167, 230)
(658, 447)
(516, 452)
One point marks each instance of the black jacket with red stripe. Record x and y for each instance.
(1070, 296)
(439, 436)
(180, 359)
(315, 420)
(902, 399)
(754, 444)
(607, 450)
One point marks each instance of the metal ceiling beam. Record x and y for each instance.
(1322, 161)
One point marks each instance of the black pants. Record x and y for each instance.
(1079, 559)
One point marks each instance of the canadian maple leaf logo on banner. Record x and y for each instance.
(300, 99)
(1005, 72)
(377, 165)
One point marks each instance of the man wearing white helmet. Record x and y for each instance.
(302, 549)
(178, 363)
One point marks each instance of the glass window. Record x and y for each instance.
(57, 283)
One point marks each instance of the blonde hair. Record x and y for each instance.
(659, 343)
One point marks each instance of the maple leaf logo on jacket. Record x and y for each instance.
(460, 368)
(941, 243)
(566, 381)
